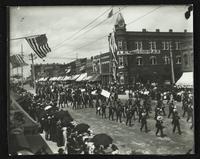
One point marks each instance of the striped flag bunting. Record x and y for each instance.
(17, 61)
(113, 46)
(113, 49)
(39, 45)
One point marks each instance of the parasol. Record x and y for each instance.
(81, 128)
(24, 152)
(102, 139)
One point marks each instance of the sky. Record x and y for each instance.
(62, 26)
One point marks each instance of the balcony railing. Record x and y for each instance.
(145, 52)
(138, 52)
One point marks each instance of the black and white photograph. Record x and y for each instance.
(104, 79)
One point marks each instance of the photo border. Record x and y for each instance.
(4, 71)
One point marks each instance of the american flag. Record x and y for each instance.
(17, 61)
(39, 45)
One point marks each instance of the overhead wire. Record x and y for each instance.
(96, 25)
(83, 28)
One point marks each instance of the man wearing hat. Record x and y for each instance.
(119, 111)
(171, 107)
(159, 125)
(175, 122)
(111, 111)
(128, 116)
(103, 110)
(98, 108)
(144, 122)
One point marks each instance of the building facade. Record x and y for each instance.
(187, 56)
(148, 56)
(102, 66)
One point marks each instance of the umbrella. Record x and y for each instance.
(61, 114)
(81, 128)
(47, 107)
(102, 139)
(24, 152)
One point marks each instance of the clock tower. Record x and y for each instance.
(120, 23)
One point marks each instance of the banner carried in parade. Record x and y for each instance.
(39, 45)
(105, 93)
(17, 61)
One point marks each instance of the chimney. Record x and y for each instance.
(157, 30)
(144, 30)
(170, 30)
(185, 30)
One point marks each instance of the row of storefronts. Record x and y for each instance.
(144, 56)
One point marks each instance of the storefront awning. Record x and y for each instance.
(81, 77)
(53, 79)
(186, 80)
(74, 77)
(88, 78)
(59, 78)
(95, 78)
(66, 78)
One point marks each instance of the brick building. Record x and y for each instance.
(145, 56)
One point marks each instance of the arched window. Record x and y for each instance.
(139, 60)
(166, 60)
(178, 59)
(153, 60)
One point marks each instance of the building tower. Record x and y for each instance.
(121, 41)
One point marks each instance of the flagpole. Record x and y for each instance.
(100, 68)
(33, 71)
(26, 37)
(172, 63)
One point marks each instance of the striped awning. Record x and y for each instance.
(88, 78)
(66, 78)
(81, 77)
(74, 77)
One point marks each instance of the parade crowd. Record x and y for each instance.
(47, 107)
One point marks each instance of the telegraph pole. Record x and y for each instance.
(172, 63)
(33, 69)
(22, 66)
(100, 70)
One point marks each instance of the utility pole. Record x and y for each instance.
(172, 62)
(22, 66)
(100, 70)
(33, 69)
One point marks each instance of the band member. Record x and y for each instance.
(176, 123)
(144, 122)
(159, 126)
